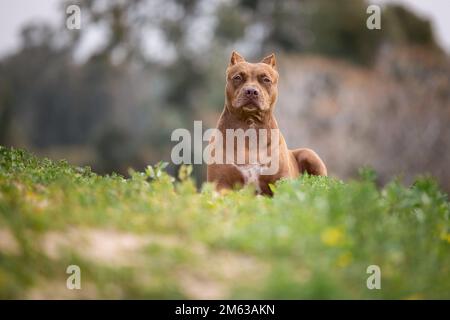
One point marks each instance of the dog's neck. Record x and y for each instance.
(240, 119)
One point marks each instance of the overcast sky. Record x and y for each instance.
(15, 13)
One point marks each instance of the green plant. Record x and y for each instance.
(151, 237)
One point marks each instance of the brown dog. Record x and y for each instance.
(250, 95)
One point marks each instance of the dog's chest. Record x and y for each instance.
(251, 174)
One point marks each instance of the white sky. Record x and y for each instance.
(15, 13)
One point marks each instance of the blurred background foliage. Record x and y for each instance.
(357, 96)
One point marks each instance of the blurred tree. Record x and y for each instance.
(336, 28)
(404, 27)
(231, 23)
(124, 99)
(339, 29)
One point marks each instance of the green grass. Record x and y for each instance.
(147, 237)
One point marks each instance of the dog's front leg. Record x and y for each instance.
(308, 161)
(224, 176)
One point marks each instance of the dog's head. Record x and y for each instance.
(251, 87)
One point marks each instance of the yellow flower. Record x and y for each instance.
(332, 236)
(414, 296)
(344, 259)
(445, 236)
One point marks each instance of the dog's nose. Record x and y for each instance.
(251, 92)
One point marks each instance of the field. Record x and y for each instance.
(149, 236)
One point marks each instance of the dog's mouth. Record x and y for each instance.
(250, 105)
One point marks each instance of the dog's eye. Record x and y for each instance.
(267, 80)
(237, 77)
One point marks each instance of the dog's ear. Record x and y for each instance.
(270, 60)
(236, 58)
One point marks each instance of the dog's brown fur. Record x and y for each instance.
(250, 95)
